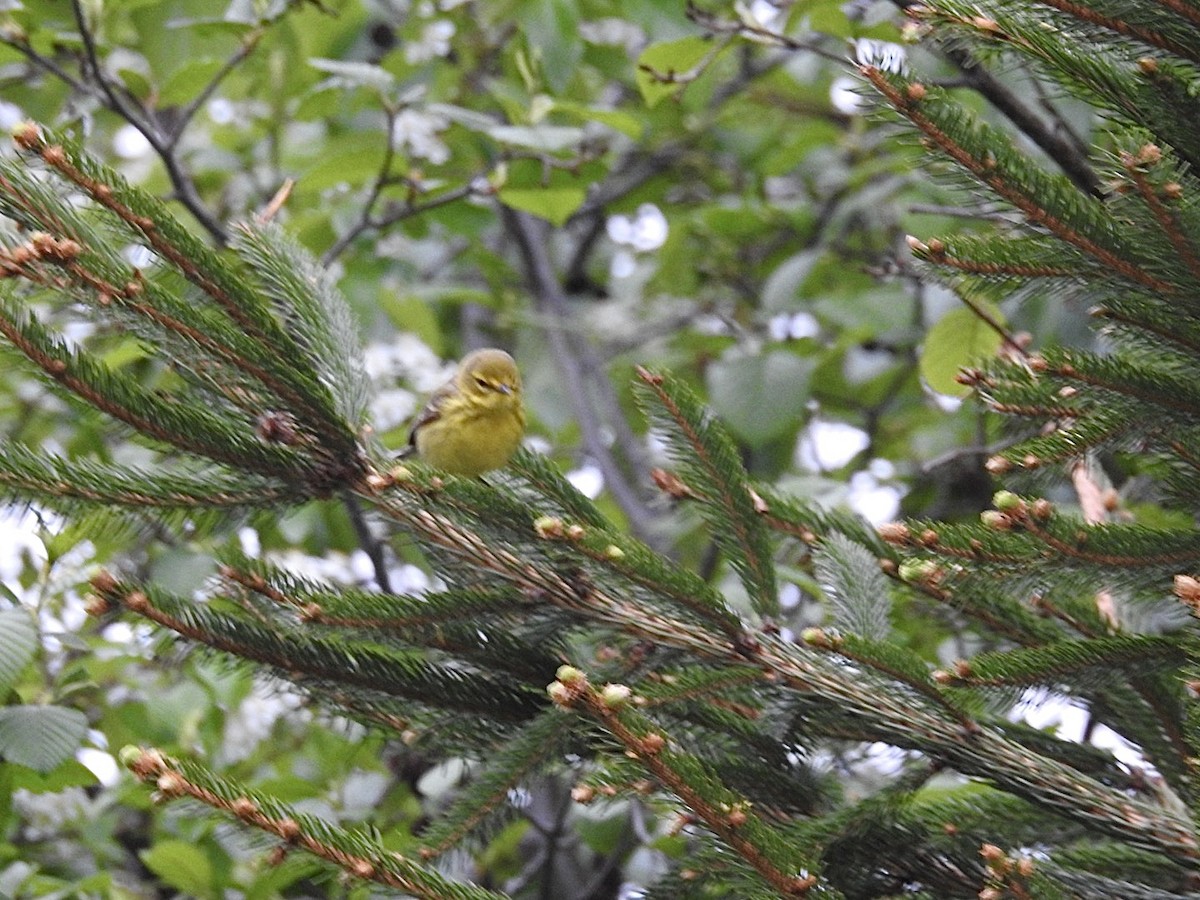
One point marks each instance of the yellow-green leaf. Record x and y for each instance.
(555, 204)
(960, 338)
(661, 64)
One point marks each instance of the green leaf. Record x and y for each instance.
(555, 204)
(354, 74)
(411, 313)
(960, 338)
(760, 396)
(541, 137)
(782, 286)
(18, 643)
(188, 81)
(352, 167)
(71, 773)
(618, 120)
(181, 865)
(40, 737)
(660, 64)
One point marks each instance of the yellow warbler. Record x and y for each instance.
(474, 422)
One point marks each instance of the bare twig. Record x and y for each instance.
(582, 374)
(1066, 153)
(141, 119)
(371, 545)
(185, 115)
(382, 178)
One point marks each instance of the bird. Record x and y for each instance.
(475, 421)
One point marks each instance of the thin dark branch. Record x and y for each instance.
(1064, 152)
(383, 178)
(188, 112)
(141, 119)
(91, 66)
(370, 544)
(583, 377)
(368, 222)
(47, 64)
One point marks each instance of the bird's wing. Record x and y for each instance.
(431, 412)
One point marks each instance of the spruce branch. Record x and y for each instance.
(311, 659)
(1153, 37)
(87, 485)
(194, 430)
(357, 853)
(486, 802)
(150, 221)
(1084, 662)
(709, 459)
(990, 158)
(917, 723)
(1155, 197)
(721, 810)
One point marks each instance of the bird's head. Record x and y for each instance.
(489, 377)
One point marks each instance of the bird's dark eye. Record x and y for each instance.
(482, 382)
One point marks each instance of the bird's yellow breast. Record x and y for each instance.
(472, 438)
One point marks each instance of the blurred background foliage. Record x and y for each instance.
(590, 183)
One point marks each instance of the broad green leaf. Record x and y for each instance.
(546, 138)
(40, 737)
(762, 395)
(71, 773)
(551, 29)
(780, 289)
(661, 64)
(960, 338)
(181, 865)
(618, 120)
(351, 167)
(188, 81)
(410, 313)
(555, 204)
(18, 643)
(354, 74)
(829, 18)
(135, 82)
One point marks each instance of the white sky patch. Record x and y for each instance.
(874, 501)
(249, 542)
(221, 111)
(129, 143)
(824, 446)
(11, 115)
(845, 95)
(1068, 719)
(790, 596)
(646, 230)
(19, 545)
(945, 402)
(587, 480)
(793, 326)
(138, 255)
(766, 14)
(623, 264)
(101, 764)
(409, 579)
(882, 54)
(361, 567)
